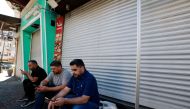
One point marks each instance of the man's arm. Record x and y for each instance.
(89, 89)
(59, 100)
(62, 93)
(78, 100)
(33, 79)
(44, 82)
(56, 88)
(50, 89)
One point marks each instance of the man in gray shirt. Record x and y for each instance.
(56, 81)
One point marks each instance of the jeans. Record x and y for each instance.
(88, 105)
(40, 98)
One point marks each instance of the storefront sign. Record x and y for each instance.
(58, 38)
(33, 12)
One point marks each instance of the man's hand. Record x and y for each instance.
(44, 83)
(50, 105)
(31, 78)
(59, 101)
(54, 98)
(42, 89)
(24, 72)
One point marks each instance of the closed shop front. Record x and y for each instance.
(165, 54)
(104, 34)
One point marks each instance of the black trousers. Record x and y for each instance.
(29, 89)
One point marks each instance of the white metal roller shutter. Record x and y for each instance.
(165, 60)
(36, 47)
(103, 34)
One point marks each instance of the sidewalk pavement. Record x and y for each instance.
(11, 89)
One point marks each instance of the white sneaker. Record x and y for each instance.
(27, 103)
(22, 99)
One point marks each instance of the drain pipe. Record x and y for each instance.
(138, 61)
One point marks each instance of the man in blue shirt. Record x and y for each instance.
(81, 92)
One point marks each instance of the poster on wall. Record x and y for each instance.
(58, 38)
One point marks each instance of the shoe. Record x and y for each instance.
(22, 99)
(27, 103)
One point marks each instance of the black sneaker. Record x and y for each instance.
(27, 103)
(22, 99)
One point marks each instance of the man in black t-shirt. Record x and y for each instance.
(34, 79)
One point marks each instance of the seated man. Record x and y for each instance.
(80, 93)
(50, 86)
(38, 74)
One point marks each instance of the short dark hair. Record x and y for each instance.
(56, 63)
(77, 62)
(33, 61)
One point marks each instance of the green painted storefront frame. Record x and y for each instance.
(47, 35)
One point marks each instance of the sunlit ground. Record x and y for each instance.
(4, 76)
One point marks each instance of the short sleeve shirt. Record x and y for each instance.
(40, 73)
(59, 79)
(85, 85)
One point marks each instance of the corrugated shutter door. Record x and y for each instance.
(36, 47)
(165, 61)
(103, 34)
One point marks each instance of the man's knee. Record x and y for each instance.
(88, 105)
(82, 106)
(40, 95)
(70, 96)
(27, 84)
(26, 81)
(39, 100)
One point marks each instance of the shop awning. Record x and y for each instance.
(19, 3)
(63, 7)
(8, 23)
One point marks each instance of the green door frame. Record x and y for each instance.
(26, 40)
(47, 31)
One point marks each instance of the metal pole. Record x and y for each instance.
(2, 24)
(138, 54)
(16, 54)
(3, 50)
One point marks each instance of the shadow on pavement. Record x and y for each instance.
(11, 90)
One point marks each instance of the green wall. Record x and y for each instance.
(50, 37)
(26, 38)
